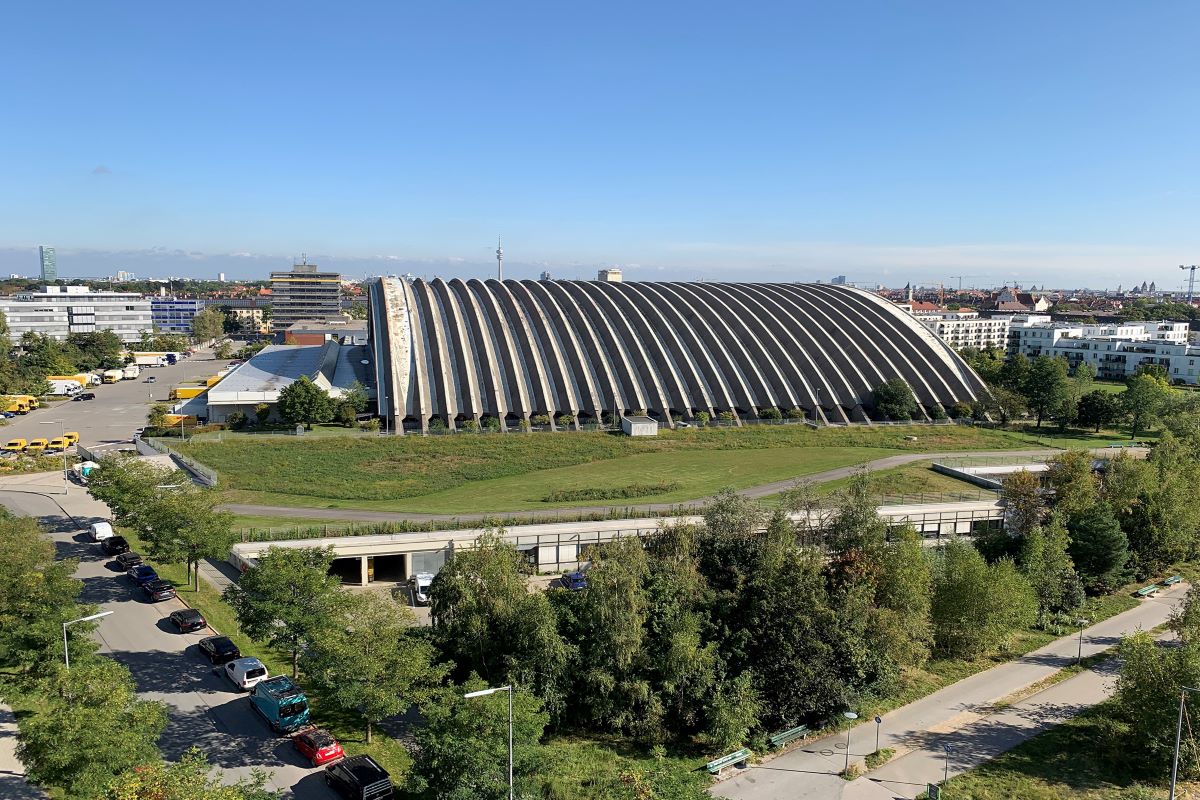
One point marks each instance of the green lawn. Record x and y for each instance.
(911, 479)
(387, 473)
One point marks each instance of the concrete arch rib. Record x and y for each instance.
(467, 360)
(515, 378)
(537, 371)
(491, 387)
(441, 359)
(595, 361)
(739, 372)
(712, 388)
(566, 395)
(423, 404)
(821, 358)
(581, 352)
(659, 374)
(772, 389)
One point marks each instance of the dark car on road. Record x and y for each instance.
(188, 620)
(83, 396)
(219, 649)
(575, 581)
(128, 560)
(115, 545)
(157, 590)
(359, 778)
(141, 574)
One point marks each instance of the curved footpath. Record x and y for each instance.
(961, 716)
(752, 492)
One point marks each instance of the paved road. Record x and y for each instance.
(12, 772)
(957, 714)
(119, 408)
(754, 492)
(204, 711)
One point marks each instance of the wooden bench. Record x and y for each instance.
(790, 735)
(1171, 581)
(721, 763)
(1148, 591)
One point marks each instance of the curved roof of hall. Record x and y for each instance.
(473, 348)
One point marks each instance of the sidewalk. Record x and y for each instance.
(12, 772)
(810, 772)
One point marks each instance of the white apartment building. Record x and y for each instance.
(1115, 351)
(961, 329)
(61, 310)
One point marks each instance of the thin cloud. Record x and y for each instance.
(102, 170)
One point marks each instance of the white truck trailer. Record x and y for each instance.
(131, 372)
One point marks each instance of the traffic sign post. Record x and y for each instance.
(878, 725)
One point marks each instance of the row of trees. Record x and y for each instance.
(86, 732)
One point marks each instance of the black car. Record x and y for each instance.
(219, 649)
(83, 396)
(128, 560)
(188, 620)
(115, 545)
(158, 590)
(359, 778)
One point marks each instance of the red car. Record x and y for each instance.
(318, 746)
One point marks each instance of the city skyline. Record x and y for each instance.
(887, 143)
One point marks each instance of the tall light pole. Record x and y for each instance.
(850, 715)
(509, 689)
(62, 427)
(1082, 623)
(1183, 691)
(66, 652)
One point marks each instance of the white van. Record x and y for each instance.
(101, 531)
(246, 673)
(418, 587)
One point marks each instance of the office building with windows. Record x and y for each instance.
(174, 314)
(49, 264)
(304, 293)
(61, 310)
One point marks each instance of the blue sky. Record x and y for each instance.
(889, 141)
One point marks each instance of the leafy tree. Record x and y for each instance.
(894, 399)
(1074, 389)
(462, 749)
(1099, 548)
(284, 597)
(358, 310)
(904, 591)
(224, 350)
(1098, 409)
(1071, 477)
(182, 525)
(1047, 564)
(1146, 703)
(1023, 502)
(1185, 619)
(734, 712)
(128, 486)
(369, 660)
(1045, 386)
(208, 324)
(304, 402)
(976, 607)
(189, 778)
(1007, 404)
(1163, 523)
(37, 595)
(1014, 373)
(1143, 398)
(89, 727)
(157, 418)
(262, 412)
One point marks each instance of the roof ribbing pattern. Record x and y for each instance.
(464, 350)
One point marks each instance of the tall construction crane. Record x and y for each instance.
(1191, 279)
(960, 277)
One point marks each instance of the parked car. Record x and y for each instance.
(137, 432)
(359, 778)
(188, 620)
(418, 587)
(281, 703)
(245, 673)
(152, 379)
(128, 560)
(157, 590)
(101, 531)
(115, 545)
(318, 746)
(83, 396)
(219, 649)
(575, 581)
(142, 573)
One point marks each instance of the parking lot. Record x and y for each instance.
(119, 408)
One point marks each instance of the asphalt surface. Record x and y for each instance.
(205, 711)
(959, 716)
(118, 410)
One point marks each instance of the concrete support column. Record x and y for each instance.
(364, 576)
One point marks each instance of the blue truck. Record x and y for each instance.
(281, 703)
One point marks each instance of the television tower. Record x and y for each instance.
(499, 260)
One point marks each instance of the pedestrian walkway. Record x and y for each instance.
(12, 772)
(961, 711)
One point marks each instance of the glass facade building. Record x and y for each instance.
(49, 264)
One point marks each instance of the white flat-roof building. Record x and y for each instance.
(61, 310)
(1114, 350)
(961, 329)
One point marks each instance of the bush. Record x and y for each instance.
(937, 412)
(372, 424)
(469, 425)
(437, 424)
(539, 419)
(491, 423)
(796, 413)
(960, 410)
(236, 420)
(703, 418)
(770, 413)
(618, 493)
(726, 416)
(894, 399)
(565, 420)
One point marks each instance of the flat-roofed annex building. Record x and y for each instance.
(465, 350)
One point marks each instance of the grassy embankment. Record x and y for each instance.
(460, 474)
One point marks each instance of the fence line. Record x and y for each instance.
(206, 474)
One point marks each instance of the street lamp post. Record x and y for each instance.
(1082, 623)
(62, 427)
(850, 715)
(946, 774)
(1183, 691)
(66, 651)
(509, 689)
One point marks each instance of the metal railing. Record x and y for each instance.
(206, 474)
